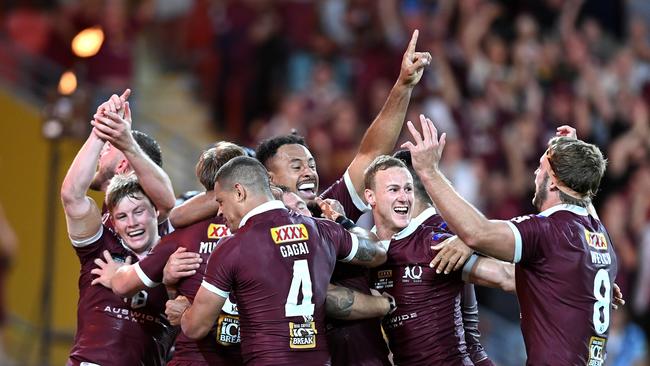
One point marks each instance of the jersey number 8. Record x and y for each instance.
(602, 304)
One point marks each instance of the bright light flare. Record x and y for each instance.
(67, 83)
(88, 42)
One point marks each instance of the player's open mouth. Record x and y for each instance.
(307, 188)
(135, 233)
(401, 210)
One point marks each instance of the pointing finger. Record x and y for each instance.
(414, 40)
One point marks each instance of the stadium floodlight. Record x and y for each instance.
(88, 42)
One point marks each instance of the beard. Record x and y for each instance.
(540, 193)
(100, 180)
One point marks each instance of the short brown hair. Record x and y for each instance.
(577, 164)
(382, 162)
(122, 186)
(213, 159)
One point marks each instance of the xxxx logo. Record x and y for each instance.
(596, 240)
(287, 233)
(216, 231)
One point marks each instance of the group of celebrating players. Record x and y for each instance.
(252, 277)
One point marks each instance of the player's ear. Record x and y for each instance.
(271, 177)
(369, 196)
(122, 167)
(240, 192)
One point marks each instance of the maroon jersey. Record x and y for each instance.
(477, 353)
(427, 326)
(112, 330)
(343, 191)
(279, 264)
(221, 345)
(565, 270)
(356, 342)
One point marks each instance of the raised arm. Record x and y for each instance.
(346, 304)
(153, 179)
(197, 208)
(382, 134)
(492, 237)
(82, 215)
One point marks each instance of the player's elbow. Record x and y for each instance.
(507, 282)
(194, 332)
(121, 289)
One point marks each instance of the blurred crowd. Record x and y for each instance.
(504, 75)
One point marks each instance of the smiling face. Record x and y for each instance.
(294, 167)
(391, 199)
(136, 221)
(230, 205)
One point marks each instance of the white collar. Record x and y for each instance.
(565, 207)
(413, 225)
(266, 206)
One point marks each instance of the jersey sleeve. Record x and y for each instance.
(529, 232)
(345, 244)
(343, 191)
(221, 268)
(90, 248)
(150, 269)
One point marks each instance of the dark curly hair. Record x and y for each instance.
(149, 145)
(269, 147)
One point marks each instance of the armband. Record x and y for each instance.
(345, 222)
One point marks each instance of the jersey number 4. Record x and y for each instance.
(301, 282)
(602, 304)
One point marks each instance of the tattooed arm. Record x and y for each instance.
(346, 304)
(371, 252)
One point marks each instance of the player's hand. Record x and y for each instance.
(111, 127)
(115, 104)
(566, 130)
(174, 309)
(452, 254)
(331, 208)
(106, 270)
(413, 63)
(617, 298)
(181, 264)
(426, 149)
